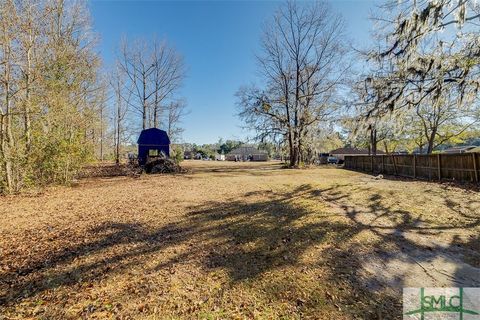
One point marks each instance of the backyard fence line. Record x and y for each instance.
(463, 167)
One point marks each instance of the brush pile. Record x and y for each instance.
(108, 170)
(162, 165)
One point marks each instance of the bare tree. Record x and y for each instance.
(167, 77)
(302, 66)
(154, 72)
(8, 91)
(121, 101)
(136, 63)
(443, 121)
(176, 110)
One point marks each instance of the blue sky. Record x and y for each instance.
(218, 40)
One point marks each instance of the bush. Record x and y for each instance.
(177, 154)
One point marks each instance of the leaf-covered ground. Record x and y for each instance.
(234, 241)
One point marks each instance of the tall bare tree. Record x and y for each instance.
(121, 101)
(137, 65)
(176, 110)
(155, 70)
(167, 78)
(302, 66)
(9, 90)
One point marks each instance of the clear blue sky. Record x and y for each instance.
(218, 40)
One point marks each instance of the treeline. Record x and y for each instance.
(49, 92)
(210, 150)
(60, 108)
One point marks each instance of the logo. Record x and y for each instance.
(441, 303)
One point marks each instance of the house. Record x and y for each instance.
(461, 149)
(323, 158)
(219, 157)
(247, 153)
(340, 153)
(152, 142)
(476, 149)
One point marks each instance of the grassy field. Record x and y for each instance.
(234, 241)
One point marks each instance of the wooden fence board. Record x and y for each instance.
(463, 167)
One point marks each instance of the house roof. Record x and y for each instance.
(246, 150)
(154, 137)
(461, 149)
(476, 149)
(348, 150)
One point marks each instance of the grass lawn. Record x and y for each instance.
(234, 241)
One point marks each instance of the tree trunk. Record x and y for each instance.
(155, 118)
(27, 121)
(155, 110)
(117, 145)
(8, 144)
(295, 153)
(431, 141)
(117, 134)
(373, 142)
(4, 152)
(144, 113)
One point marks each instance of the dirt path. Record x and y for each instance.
(234, 241)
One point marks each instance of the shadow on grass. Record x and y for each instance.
(248, 237)
(445, 183)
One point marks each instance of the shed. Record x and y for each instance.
(152, 142)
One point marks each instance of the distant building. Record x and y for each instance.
(219, 157)
(247, 153)
(188, 155)
(152, 142)
(323, 158)
(476, 149)
(340, 153)
(461, 149)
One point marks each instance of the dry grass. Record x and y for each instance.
(233, 241)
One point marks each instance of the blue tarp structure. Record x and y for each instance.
(152, 142)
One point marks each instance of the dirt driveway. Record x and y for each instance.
(234, 241)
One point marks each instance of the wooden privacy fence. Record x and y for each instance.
(463, 167)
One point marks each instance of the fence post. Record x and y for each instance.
(430, 168)
(439, 166)
(371, 162)
(394, 165)
(475, 166)
(414, 166)
(383, 164)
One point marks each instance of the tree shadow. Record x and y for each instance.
(40, 273)
(265, 231)
(444, 183)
